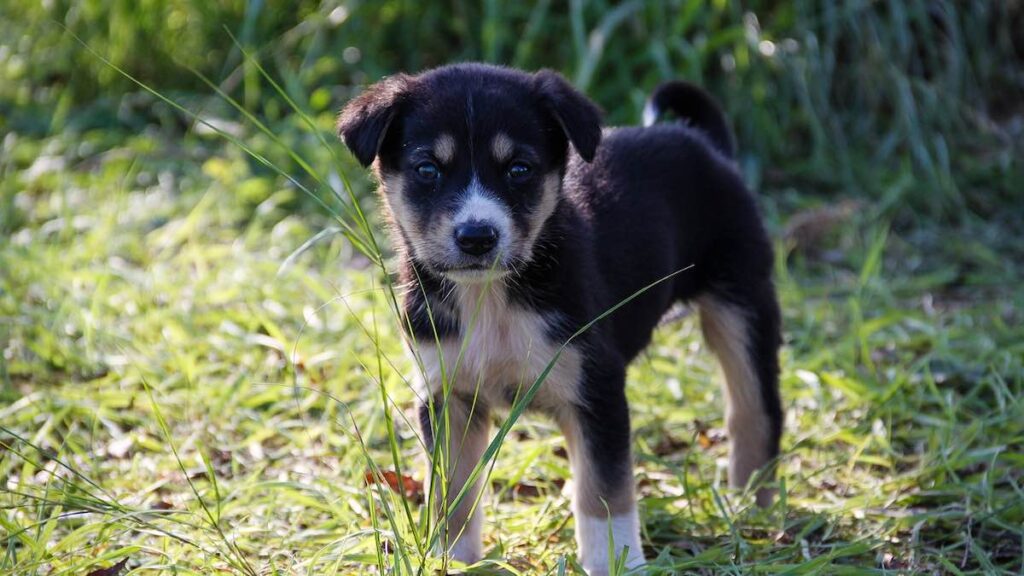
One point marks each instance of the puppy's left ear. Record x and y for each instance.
(365, 120)
(579, 117)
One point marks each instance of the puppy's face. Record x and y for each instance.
(470, 179)
(470, 160)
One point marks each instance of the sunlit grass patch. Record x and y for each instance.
(202, 371)
(903, 395)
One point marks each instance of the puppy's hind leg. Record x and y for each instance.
(743, 330)
(459, 443)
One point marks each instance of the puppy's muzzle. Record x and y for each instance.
(476, 238)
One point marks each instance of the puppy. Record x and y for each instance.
(518, 222)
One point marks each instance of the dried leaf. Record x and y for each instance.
(523, 490)
(707, 436)
(405, 485)
(890, 562)
(669, 445)
(704, 440)
(114, 570)
(529, 489)
(807, 230)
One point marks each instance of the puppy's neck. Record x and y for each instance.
(472, 301)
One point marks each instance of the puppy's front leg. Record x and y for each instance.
(461, 429)
(597, 433)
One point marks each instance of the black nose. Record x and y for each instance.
(475, 238)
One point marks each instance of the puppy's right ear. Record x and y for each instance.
(364, 121)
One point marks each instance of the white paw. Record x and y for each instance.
(466, 550)
(592, 538)
(468, 540)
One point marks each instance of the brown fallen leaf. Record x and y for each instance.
(707, 436)
(669, 445)
(405, 485)
(523, 490)
(522, 563)
(809, 229)
(704, 440)
(114, 570)
(528, 489)
(712, 437)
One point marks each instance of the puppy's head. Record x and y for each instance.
(470, 159)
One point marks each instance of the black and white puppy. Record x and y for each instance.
(512, 240)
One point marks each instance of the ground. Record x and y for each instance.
(201, 371)
(184, 389)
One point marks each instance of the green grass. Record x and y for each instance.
(184, 386)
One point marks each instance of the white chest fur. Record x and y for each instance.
(501, 351)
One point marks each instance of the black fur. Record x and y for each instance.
(697, 107)
(365, 121)
(636, 205)
(579, 117)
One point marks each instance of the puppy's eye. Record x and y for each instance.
(519, 171)
(428, 171)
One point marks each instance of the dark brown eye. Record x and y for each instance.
(519, 171)
(427, 171)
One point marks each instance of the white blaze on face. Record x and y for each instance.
(444, 148)
(481, 207)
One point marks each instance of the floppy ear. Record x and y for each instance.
(364, 121)
(579, 117)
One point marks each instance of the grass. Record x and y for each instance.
(190, 384)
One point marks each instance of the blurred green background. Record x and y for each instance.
(200, 371)
(851, 95)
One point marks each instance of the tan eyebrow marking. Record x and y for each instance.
(444, 148)
(501, 147)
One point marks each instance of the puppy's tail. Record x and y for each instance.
(694, 106)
